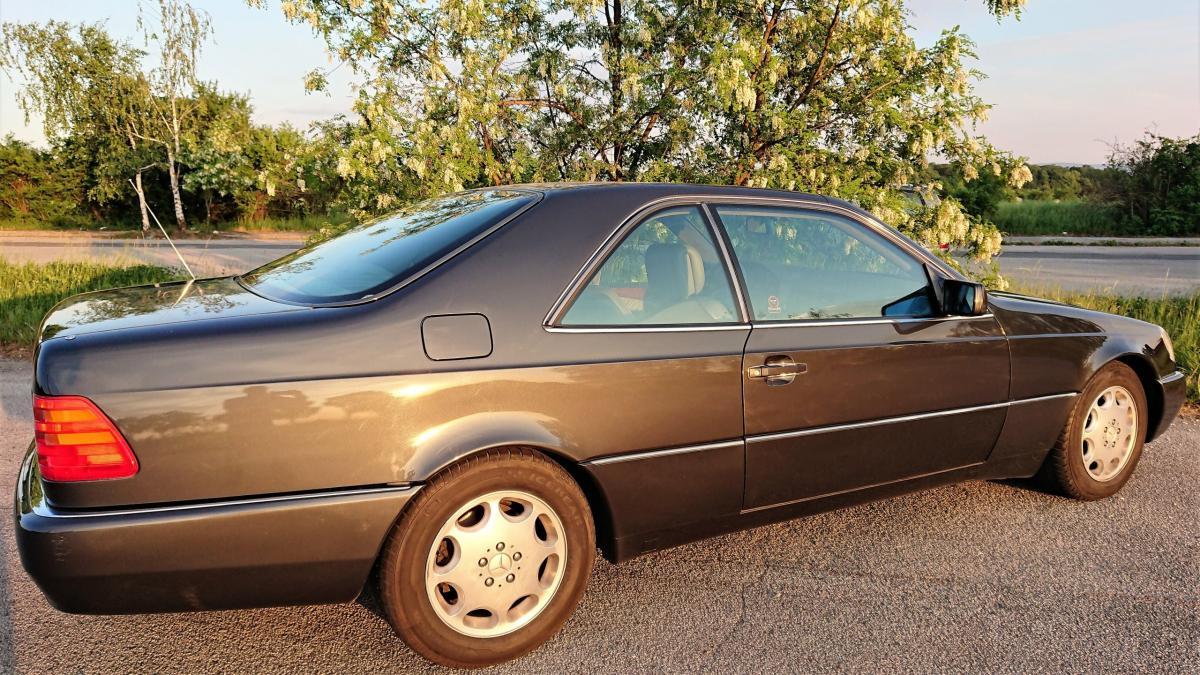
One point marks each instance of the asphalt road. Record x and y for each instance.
(1130, 270)
(1121, 269)
(977, 577)
(206, 257)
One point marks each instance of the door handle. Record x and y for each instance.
(777, 370)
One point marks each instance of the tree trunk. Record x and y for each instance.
(142, 202)
(174, 174)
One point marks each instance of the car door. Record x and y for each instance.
(655, 389)
(850, 379)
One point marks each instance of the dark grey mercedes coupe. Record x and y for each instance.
(463, 400)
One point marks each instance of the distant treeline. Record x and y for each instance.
(257, 176)
(1150, 187)
(241, 173)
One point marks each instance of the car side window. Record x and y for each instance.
(800, 264)
(667, 271)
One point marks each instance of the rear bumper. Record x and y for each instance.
(1174, 393)
(298, 549)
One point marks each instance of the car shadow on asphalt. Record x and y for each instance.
(1033, 484)
(368, 598)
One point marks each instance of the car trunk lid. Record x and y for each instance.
(154, 305)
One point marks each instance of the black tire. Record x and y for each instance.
(1064, 470)
(406, 553)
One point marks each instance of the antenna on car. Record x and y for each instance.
(167, 236)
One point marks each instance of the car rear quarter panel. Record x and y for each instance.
(339, 397)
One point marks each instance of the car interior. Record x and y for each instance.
(666, 272)
(803, 265)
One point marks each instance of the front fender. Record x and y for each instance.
(1057, 348)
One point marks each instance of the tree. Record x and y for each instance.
(215, 154)
(87, 87)
(980, 197)
(822, 95)
(171, 87)
(35, 184)
(91, 88)
(1160, 183)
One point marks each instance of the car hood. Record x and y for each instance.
(1028, 315)
(153, 305)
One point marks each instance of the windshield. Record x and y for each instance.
(371, 258)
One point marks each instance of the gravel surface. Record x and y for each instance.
(977, 577)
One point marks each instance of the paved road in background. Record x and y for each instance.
(979, 577)
(206, 257)
(1124, 269)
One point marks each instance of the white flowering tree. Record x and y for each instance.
(830, 96)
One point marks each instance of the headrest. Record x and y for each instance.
(674, 272)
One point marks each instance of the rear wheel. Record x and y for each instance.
(489, 559)
(1097, 451)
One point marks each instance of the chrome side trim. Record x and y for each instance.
(634, 456)
(42, 510)
(645, 329)
(1043, 336)
(863, 322)
(904, 418)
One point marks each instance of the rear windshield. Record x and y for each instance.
(371, 258)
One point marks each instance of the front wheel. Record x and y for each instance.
(489, 559)
(1097, 451)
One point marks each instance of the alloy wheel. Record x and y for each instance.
(496, 563)
(1109, 433)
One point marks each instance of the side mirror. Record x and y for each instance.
(963, 298)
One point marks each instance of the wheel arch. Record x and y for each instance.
(1134, 350)
(477, 434)
(1146, 374)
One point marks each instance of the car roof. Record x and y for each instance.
(652, 190)
(647, 192)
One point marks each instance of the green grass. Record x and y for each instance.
(299, 224)
(1180, 315)
(1044, 218)
(296, 224)
(28, 291)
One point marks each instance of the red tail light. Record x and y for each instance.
(76, 441)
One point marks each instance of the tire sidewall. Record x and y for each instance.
(1117, 374)
(402, 582)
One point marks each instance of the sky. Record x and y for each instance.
(1068, 80)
